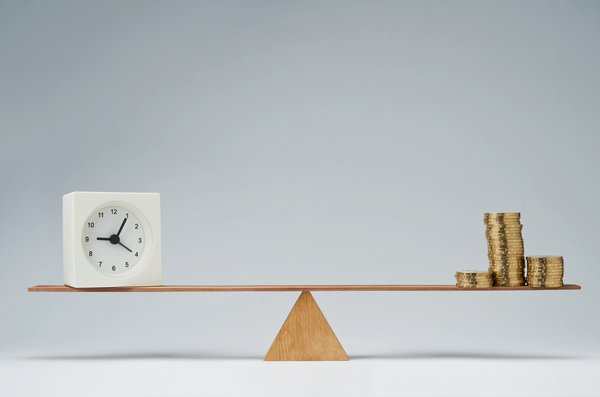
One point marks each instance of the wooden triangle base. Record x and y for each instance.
(306, 335)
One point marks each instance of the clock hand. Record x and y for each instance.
(114, 239)
(122, 224)
(120, 243)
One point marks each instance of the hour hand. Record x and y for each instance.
(103, 238)
(121, 228)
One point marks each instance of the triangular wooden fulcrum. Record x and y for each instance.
(306, 335)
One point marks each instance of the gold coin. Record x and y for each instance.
(547, 279)
(503, 260)
(546, 267)
(502, 223)
(545, 274)
(503, 234)
(475, 282)
(503, 219)
(502, 215)
(503, 251)
(504, 229)
(544, 261)
(475, 272)
(467, 280)
(505, 241)
(546, 258)
(508, 272)
(507, 258)
(506, 264)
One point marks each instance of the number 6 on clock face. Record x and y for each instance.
(113, 239)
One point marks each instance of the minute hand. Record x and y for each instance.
(123, 245)
(122, 224)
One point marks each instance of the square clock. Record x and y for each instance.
(111, 239)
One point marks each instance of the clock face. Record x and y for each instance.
(113, 239)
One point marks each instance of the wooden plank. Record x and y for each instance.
(306, 335)
(288, 288)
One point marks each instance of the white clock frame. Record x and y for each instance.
(78, 272)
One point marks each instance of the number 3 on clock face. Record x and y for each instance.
(113, 239)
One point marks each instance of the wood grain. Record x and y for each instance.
(306, 335)
(291, 287)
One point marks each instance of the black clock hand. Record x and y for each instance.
(122, 224)
(120, 243)
(114, 239)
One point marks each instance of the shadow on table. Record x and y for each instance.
(467, 356)
(145, 356)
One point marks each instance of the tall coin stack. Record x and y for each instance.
(474, 279)
(505, 248)
(545, 271)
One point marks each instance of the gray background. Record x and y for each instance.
(303, 142)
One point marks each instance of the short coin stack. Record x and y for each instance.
(545, 271)
(474, 279)
(505, 248)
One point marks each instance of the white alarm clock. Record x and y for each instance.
(111, 239)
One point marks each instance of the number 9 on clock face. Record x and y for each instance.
(113, 239)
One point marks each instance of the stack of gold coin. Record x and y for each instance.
(505, 248)
(474, 279)
(545, 271)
